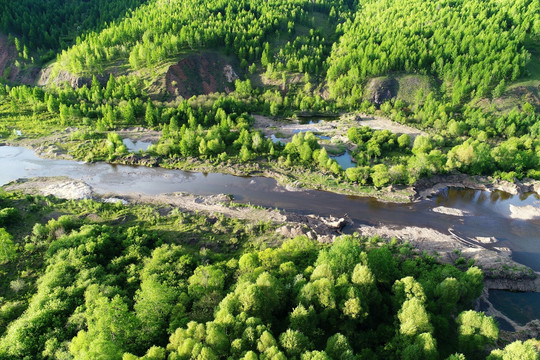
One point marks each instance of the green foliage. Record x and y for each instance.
(475, 331)
(406, 36)
(7, 247)
(528, 350)
(131, 292)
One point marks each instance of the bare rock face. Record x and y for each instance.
(381, 90)
(63, 77)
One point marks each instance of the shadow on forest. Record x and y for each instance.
(48, 26)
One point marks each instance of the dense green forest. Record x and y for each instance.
(112, 281)
(44, 27)
(468, 50)
(92, 280)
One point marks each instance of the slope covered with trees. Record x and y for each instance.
(162, 29)
(107, 281)
(471, 46)
(50, 25)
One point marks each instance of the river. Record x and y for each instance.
(488, 212)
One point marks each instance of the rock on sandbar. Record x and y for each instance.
(60, 187)
(450, 211)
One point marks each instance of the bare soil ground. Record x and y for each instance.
(140, 134)
(8, 54)
(199, 74)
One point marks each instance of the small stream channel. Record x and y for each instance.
(488, 212)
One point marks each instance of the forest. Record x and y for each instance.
(93, 280)
(320, 41)
(111, 281)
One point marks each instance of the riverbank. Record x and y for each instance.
(289, 176)
(428, 187)
(501, 272)
(292, 177)
(522, 332)
(320, 228)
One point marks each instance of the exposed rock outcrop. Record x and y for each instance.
(428, 187)
(380, 90)
(199, 74)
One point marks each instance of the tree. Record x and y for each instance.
(414, 318)
(527, 350)
(154, 302)
(404, 141)
(111, 328)
(150, 114)
(294, 342)
(380, 175)
(476, 330)
(7, 247)
(266, 57)
(337, 347)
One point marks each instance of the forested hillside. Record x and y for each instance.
(423, 64)
(472, 47)
(93, 280)
(163, 29)
(108, 281)
(48, 26)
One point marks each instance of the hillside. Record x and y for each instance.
(454, 75)
(364, 98)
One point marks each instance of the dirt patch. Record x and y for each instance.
(201, 74)
(60, 187)
(514, 97)
(140, 134)
(381, 123)
(336, 130)
(8, 55)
